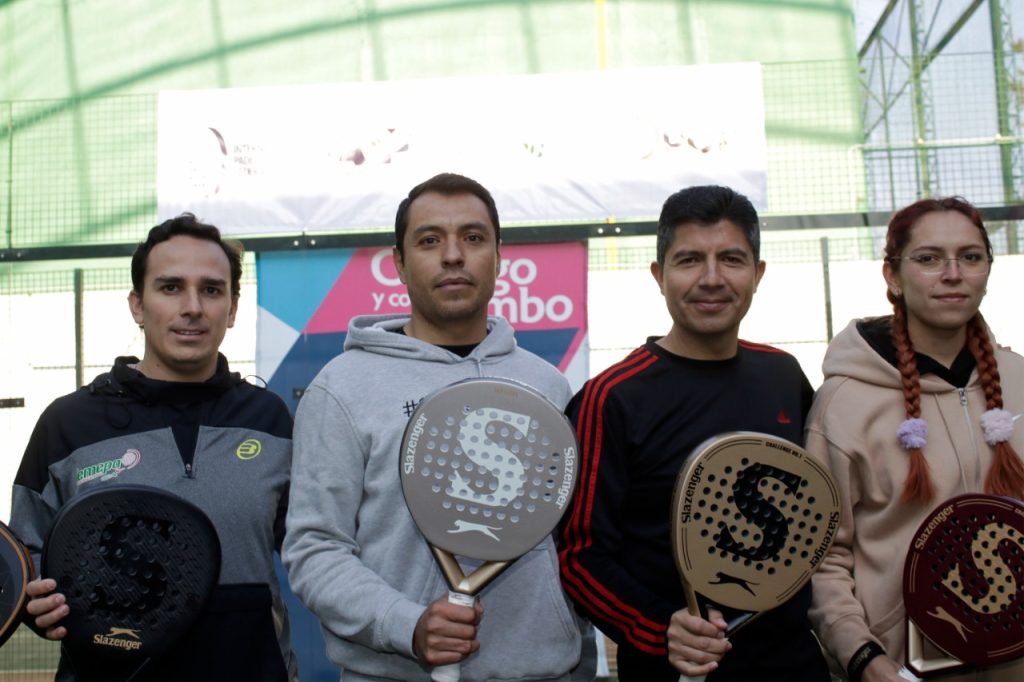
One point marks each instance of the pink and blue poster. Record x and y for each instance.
(306, 300)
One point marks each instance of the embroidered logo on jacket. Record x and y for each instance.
(249, 449)
(112, 468)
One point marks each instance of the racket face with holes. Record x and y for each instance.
(963, 580)
(488, 467)
(753, 516)
(136, 565)
(16, 571)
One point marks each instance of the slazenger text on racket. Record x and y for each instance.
(826, 542)
(410, 447)
(691, 487)
(937, 521)
(564, 490)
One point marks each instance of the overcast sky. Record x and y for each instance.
(866, 13)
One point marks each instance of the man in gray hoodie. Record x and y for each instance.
(354, 555)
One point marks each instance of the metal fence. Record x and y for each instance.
(76, 176)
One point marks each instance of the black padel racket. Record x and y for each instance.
(963, 585)
(753, 515)
(136, 565)
(488, 467)
(16, 571)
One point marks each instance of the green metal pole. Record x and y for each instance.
(9, 213)
(888, 130)
(827, 279)
(79, 324)
(1002, 99)
(914, 14)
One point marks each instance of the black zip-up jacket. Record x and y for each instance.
(222, 444)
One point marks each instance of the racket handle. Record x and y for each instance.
(905, 673)
(452, 671)
(687, 678)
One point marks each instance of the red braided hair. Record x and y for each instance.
(1006, 475)
(918, 486)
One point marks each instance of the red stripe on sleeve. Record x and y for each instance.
(643, 633)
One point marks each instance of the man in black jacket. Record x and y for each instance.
(180, 420)
(639, 421)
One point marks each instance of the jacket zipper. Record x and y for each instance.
(974, 440)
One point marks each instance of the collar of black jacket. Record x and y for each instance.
(124, 378)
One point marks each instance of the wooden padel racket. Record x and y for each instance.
(488, 467)
(136, 565)
(16, 571)
(753, 516)
(963, 585)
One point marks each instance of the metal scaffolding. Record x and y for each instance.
(943, 89)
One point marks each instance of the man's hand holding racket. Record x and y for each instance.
(446, 632)
(487, 468)
(47, 607)
(752, 517)
(134, 566)
(696, 645)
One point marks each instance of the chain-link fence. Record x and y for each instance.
(856, 139)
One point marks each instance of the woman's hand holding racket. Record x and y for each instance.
(884, 669)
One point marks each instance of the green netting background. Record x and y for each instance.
(849, 130)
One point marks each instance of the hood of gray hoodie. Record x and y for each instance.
(376, 334)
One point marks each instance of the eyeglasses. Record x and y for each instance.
(973, 263)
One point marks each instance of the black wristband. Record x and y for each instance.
(860, 660)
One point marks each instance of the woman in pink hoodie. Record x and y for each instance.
(916, 407)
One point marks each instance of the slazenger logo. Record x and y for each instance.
(248, 449)
(117, 638)
(462, 526)
(112, 468)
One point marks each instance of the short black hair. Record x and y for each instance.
(446, 184)
(707, 205)
(185, 224)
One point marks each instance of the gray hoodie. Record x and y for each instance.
(354, 555)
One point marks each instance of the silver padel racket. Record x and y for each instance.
(753, 515)
(488, 467)
(963, 585)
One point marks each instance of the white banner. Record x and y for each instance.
(552, 148)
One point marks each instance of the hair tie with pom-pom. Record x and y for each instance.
(913, 433)
(997, 425)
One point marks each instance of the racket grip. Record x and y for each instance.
(687, 678)
(452, 671)
(905, 673)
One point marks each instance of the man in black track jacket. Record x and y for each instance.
(179, 420)
(638, 422)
